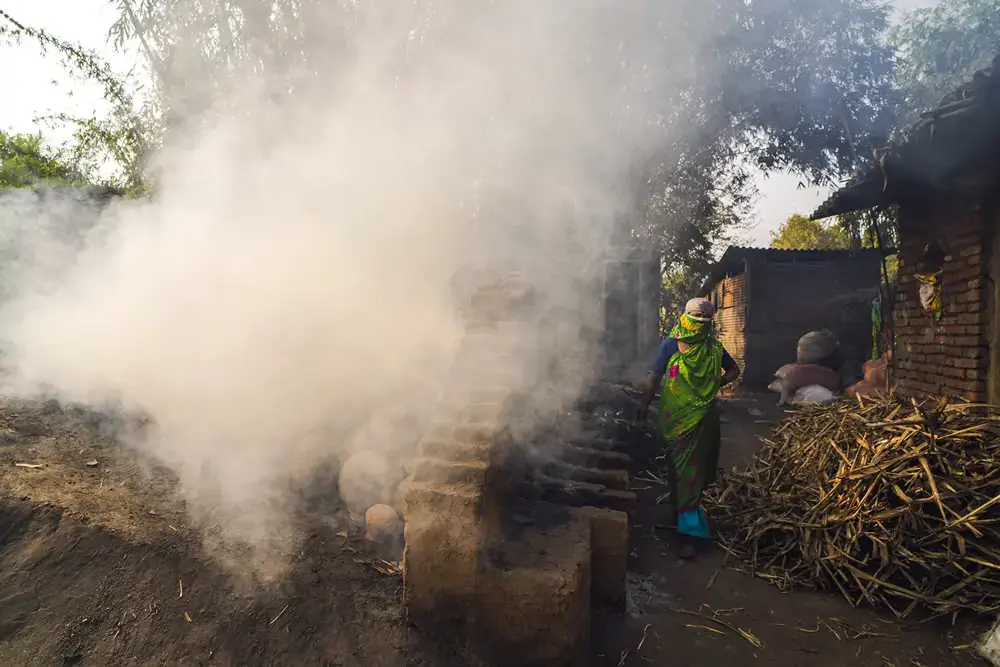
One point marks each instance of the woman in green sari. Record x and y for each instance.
(689, 370)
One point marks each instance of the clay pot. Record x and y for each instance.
(399, 498)
(381, 523)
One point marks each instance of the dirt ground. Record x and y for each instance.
(669, 599)
(99, 566)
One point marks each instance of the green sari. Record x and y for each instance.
(689, 419)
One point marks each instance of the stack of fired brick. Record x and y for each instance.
(508, 542)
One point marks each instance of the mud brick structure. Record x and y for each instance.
(943, 174)
(511, 539)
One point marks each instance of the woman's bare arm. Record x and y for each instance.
(652, 384)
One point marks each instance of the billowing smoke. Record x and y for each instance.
(289, 293)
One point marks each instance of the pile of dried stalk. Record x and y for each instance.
(891, 503)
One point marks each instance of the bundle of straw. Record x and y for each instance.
(891, 503)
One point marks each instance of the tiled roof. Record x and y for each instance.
(968, 112)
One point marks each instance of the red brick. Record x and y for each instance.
(960, 273)
(968, 341)
(965, 297)
(966, 385)
(964, 238)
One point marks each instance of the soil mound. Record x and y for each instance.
(98, 567)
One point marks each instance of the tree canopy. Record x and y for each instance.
(106, 150)
(778, 88)
(775, 85)
(801, 233)
(939, 49)
(25, 161)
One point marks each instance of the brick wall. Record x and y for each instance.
(949, 357)
(731, 316)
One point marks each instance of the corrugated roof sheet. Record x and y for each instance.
(970, 112)
(735, 258)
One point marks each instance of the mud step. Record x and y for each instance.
(603, 444)
(613, 479)
(582, 494)
(595, 458)
(533, 604)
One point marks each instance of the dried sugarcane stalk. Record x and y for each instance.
(891, 503)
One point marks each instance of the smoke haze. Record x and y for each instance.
(289, 293)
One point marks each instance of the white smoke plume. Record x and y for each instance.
(288, 291)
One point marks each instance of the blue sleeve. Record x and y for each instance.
(668, 348)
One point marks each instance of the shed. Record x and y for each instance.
(943, 174)
(766, 299)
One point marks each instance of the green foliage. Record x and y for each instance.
(679, 285)
(870, 229)
(875, 228)
(940, 48)
(25, 162)
(120, 140)
(801, 233)
(780, 88)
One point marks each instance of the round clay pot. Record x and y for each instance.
(381, 523)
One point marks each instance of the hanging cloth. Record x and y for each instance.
(930, 293)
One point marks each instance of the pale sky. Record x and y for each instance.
(36, 85)
(780, 196)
